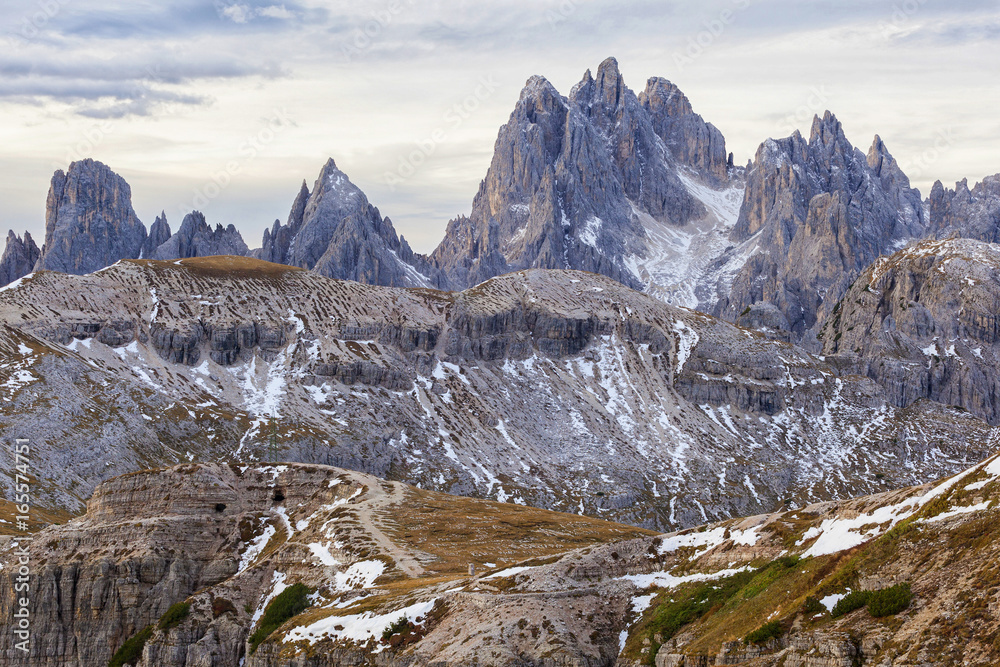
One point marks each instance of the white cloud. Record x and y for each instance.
(241, 14)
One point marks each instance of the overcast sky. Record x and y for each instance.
(174, 94)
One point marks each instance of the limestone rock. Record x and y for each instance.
(89, 221)
(159, 234)
(19, 257)
(583, 182)
(968, 213)
(196, 238)
(923, 323)
(336, 232)
(818, 213)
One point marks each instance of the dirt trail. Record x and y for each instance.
(375, 507)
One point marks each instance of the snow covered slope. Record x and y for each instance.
(557, 389)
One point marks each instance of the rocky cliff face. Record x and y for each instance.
(336, 232)
(386, 569)
(19, 257)
(817, 212)
(196, 238)
(564, 390)
(601, 181)
(923, 323)
(963, 212)
(89, 221)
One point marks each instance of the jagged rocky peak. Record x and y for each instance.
(818, 213)
(277, 239)
(971, 213)
(692, 141)
(196, 238)
(577, 182)
(89, 220)
(19, 257)
(159, 233)
(335, 231)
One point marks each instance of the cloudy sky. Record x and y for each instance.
(227, 106)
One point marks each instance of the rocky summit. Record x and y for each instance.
(335, 231)
(89, 221)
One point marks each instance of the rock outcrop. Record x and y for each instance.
(159, 233)
(336, 232)
(963, 212)
(196, 238)
(591, 182)
(818, 213)
(89, 221)
(19, 257)
(923, 323)
(278, 239)
(692, 141)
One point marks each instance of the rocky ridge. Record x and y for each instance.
(559, 389)
(923, 322)
(196, 238)
(602, 181)
(89, 221)
(963, 212)
(19, 257)
(817, 213)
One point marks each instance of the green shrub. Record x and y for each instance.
(890, 601)
(788, 562)
(850, 602)
(290, 602)
(131, 651)
(764, 633)
(174, 616)
(402, 626)
(812, 606)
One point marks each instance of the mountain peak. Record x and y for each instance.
(89, 220)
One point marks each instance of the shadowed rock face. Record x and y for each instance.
(89, 221)
(571, 176)
(159, 234)
(924, 324)
(336, 232)
(968, 213)
(819, 212)
(196, 238)
(19, 257)
(691, 140)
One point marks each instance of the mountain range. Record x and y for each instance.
(628, 334)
